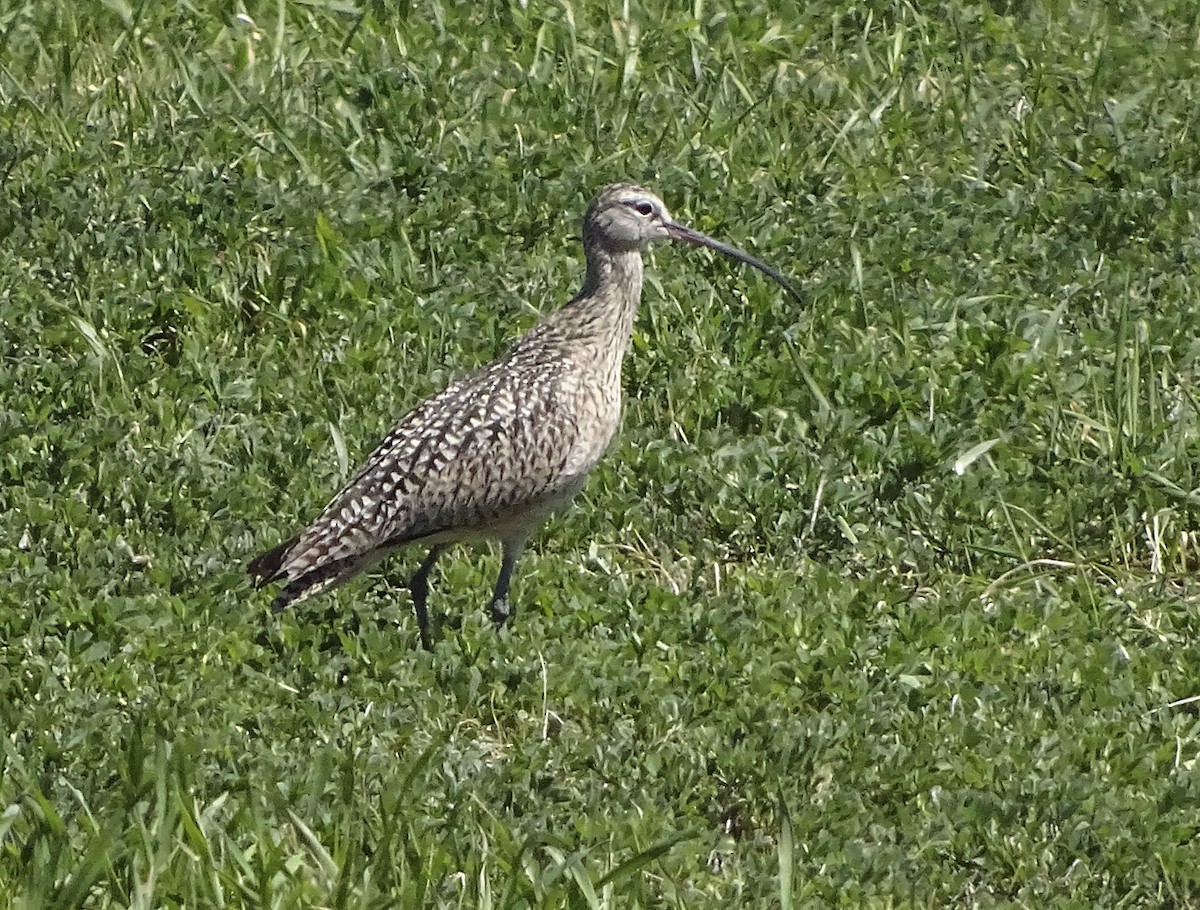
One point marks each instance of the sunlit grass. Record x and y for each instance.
(882, 601)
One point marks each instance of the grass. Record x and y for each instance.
(886, 601)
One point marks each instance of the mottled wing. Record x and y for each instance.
(489, 449)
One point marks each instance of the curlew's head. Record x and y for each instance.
(624, 218)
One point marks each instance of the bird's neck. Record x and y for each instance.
(594, 328)
(604, 309)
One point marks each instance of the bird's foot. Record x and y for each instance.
(501, 611)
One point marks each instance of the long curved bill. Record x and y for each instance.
(677, 231)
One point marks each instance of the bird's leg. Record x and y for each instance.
(419, 588)
(500, 608)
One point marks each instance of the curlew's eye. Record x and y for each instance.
(643, 208)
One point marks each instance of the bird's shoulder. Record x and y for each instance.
(521, 401)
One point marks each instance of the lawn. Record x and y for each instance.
(886, 600)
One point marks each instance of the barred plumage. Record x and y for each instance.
(492, 454)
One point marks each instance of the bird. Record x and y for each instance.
(492, 454)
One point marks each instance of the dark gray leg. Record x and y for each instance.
(499, 607)
(419, 587)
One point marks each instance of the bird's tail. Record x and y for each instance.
(268, 567)
(265, 568)
(318, 581)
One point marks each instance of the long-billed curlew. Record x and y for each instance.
(492, 454)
